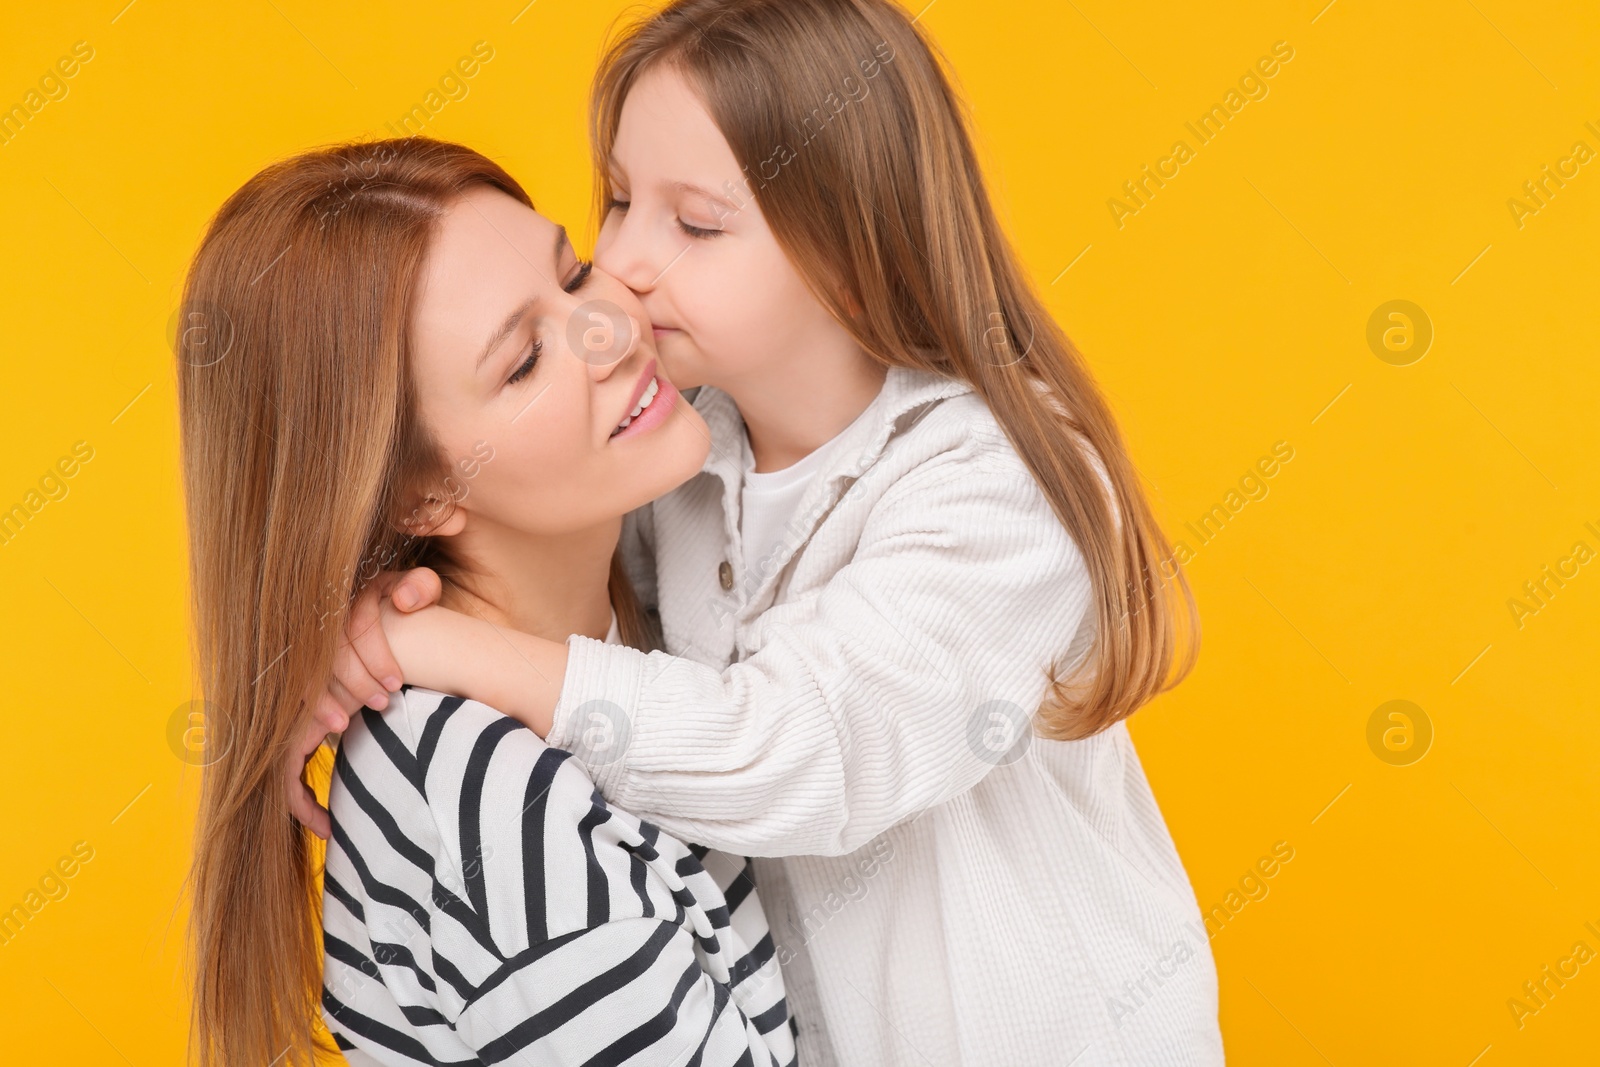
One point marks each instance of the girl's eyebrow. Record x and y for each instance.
(613, 168)
(690, 187)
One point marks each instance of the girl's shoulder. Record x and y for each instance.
(943, 425)
(961, 434)
(913, 407)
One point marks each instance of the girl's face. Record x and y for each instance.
(525, 362)
(684, 233)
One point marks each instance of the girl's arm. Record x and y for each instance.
(454, 653)
(900, 684)
(905, 680)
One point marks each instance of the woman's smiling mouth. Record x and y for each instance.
(644, 402)
(653, 399)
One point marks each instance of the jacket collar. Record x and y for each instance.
(906, 395)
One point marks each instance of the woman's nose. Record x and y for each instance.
(604, 335)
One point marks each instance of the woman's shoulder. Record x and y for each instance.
(409, 732)
(447, 752)
(453, 779)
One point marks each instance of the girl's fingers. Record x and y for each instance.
(365, 634)
(418, 588)
(344, 698)
(354, 676)
(302, 801)
(311, 814)
(330, 717)
(333, 706)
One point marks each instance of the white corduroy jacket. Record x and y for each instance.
(943, 887)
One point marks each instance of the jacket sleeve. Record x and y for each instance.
(910, 675)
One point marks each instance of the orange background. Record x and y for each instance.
(1229, 313)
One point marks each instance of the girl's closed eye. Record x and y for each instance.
(698, 231)
(621, 206)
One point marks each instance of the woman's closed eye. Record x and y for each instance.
(525, 368)
(584, 268)
(531, 360)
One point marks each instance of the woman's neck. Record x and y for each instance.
(549, 586)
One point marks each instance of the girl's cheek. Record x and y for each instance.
(725, 302)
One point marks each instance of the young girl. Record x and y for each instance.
(385, 314)
(917, 542)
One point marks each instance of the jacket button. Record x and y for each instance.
(725, 574)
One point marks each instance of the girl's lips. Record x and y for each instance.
(661, 331)
(666, 399)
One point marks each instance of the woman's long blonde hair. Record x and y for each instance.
(302, 452)
(856, 148)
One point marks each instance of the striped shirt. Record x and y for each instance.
(483, 903)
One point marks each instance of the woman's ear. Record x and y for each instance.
(434, 516)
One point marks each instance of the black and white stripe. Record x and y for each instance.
(482, 903)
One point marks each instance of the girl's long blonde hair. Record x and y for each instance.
(302, 453)
(856, 148)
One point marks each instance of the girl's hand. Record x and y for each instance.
(363, 658)
(365, 670)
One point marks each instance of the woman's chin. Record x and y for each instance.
(685, 446)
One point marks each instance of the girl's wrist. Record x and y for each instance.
(515, 673)
(518, 674)
(427, 644)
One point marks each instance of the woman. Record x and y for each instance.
(379, 372)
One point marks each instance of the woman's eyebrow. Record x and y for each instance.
(513, 320)
(505, 329)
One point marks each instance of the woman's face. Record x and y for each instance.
(525, 362)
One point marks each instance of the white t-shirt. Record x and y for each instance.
(768, 502)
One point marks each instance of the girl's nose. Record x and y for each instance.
(623, 255)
